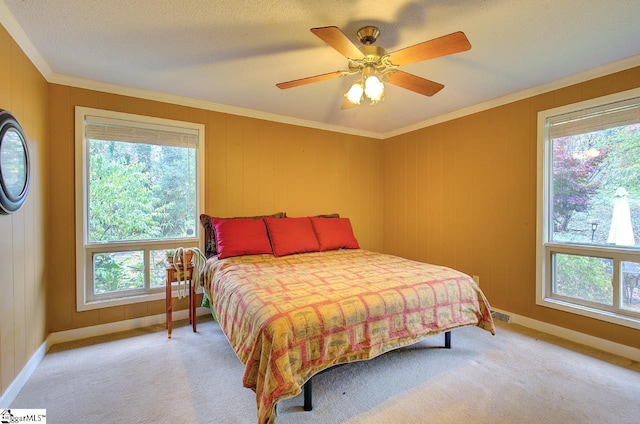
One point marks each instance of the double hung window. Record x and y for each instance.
(138, 193)
(589, 208)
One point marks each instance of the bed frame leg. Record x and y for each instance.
(307, 389)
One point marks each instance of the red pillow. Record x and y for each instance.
(291, 235)
(210, 232)
(334, 233)
(237, 237)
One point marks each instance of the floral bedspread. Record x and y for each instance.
(288, 318)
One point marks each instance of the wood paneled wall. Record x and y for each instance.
(252, 167)
(23, 234)
(463, 194)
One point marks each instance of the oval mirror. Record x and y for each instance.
(14, 164)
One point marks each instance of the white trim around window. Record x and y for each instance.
(546, 247)
(134, 128)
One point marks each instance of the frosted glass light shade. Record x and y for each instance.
(373, 89)
(354, 95)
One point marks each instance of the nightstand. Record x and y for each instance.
(174, 275)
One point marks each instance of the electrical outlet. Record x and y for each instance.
(476, 278)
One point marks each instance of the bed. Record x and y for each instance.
(297, 308)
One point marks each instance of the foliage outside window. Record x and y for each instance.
(138, 191)
(589, 208)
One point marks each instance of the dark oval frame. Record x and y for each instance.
(10, 201)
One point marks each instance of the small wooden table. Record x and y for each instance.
(174, 275)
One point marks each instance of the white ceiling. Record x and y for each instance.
(229, 54)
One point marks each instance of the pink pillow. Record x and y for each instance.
(291, 235)
(334, 233)
(237, 237)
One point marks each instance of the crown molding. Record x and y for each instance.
(201, 104)
(15, 30)
(577, 78)
(609, 68)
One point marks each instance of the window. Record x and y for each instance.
(139, 188)
(588, 258)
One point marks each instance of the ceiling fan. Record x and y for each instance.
(375, 65)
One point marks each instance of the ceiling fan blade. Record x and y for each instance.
(336, 39)
(346, 104)
(415, 83)
(308, 80)
(442, 46)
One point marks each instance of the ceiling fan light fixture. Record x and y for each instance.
(374, 89)
(354, 95)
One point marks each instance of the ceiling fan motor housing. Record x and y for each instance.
(375, 60)
(372, 54)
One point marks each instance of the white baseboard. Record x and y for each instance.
(16, 385)
(99, 330)
(575, 336)
(118, 326)
(83, 333)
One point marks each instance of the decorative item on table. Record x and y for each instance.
(180, 255)
(182, 259)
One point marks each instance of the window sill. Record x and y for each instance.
(107, 303)
(608, 316)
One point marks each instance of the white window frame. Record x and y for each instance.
(545, 248)
(84, 250)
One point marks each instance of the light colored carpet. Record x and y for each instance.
(517, 376)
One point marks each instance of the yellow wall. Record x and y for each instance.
(252, 167)
(463, 194)
(23, 234)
